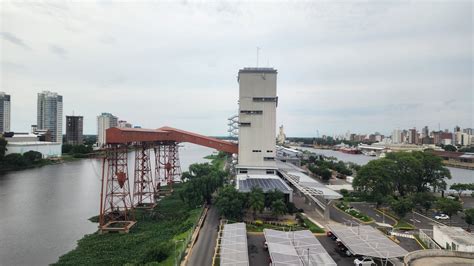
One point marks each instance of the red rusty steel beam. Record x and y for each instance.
(128, 135)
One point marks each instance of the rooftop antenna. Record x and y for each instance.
(258, 51)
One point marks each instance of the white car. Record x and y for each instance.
(364, 261)
(442, 217)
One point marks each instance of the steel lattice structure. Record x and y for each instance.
(143, 189)
(167, 166)
(116, 201)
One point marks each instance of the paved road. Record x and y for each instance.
(330, 246)
(203, 250)
(369, 209)
(257, 254)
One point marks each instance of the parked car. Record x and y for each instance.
(442, 216)
(333, 237)
(329, 233)
(364, 261)
(265, 245)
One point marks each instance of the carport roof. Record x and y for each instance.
(291, 248)
(234, 249)
(367, 241)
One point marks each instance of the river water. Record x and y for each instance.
(458, 175)
(44, 211)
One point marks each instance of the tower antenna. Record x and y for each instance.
(258, 51)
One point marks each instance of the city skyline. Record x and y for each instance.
(342, 66)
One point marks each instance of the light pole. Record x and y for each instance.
(175, 255)
(308, 256)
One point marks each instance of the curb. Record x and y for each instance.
(387, 215)
(194, 237)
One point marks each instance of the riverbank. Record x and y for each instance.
(152, 239)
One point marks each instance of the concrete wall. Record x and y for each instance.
(412, 256)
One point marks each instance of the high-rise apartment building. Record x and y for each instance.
(50, 114)
(413, 136)
(397, 136)
(74, 127)
(257, 120)
(4, 112)
(104, 121)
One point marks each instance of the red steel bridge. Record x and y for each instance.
(116, 200)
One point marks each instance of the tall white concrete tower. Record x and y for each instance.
(257, 120)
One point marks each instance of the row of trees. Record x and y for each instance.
(460, 188)
(232, 204)
(404, 181)
(78, 151)
(202, 180)
(320, 165)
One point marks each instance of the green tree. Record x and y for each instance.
(230, 203)
(325, 174)
(433, 172)
(278, 208)
(424, 200)
(3, 147)
(469, 217)
(256, 200)
(33, 156)
(450, 147)
(448, 206)
(401, 206)
(460, 187)
(272, 196)
(374, 180)
(16, 160)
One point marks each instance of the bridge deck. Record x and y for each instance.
(129, 135)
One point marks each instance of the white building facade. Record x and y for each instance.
(50, 114)
(257, 120)
(104, 121)
(453, 238)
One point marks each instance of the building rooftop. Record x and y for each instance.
(457, 233)
(245, 183)
(234, 250)
(258, 70)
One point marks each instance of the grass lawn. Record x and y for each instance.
(150, 241)
(312, 227)
(404, 225)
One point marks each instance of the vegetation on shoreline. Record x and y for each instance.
(151, 240)
(159, 234)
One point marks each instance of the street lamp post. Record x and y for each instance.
(175, 255)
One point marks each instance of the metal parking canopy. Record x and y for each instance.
(234, 250)
(367, 241)
(293, 248)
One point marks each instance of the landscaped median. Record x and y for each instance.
(353, 212)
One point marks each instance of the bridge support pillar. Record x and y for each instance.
(115, 198)
(167, 165)
(143, 189)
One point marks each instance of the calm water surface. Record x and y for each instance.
(44, 211)
(458, 175)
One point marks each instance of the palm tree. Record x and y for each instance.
(278, 208)
(256, 200)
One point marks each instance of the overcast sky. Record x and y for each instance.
(357, 66)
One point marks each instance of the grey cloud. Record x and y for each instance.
(58, 50)
(13, 39)
(107, 39)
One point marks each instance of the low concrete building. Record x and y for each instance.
(47, 149)
(453, 238)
